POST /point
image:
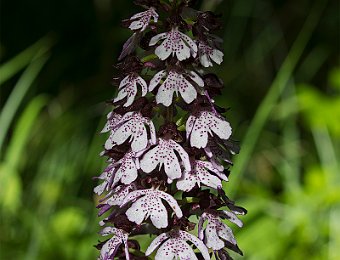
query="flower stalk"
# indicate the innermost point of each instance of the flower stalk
(169, 147)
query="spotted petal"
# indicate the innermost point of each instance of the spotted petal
(208, 54)
(201, 173)
(116, 196)
(132, 126)
(140, 21)
(127, 170)
(107, 176)
(109, 249)
(149, 204)
(216, 232)
(175, 82)
(175, 43)
(128, 88)
(112, 120)
(206, 123)
(176, 247)
(164, 154)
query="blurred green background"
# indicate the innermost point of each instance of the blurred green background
(282, 82)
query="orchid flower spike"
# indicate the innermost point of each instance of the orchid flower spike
(169, 149)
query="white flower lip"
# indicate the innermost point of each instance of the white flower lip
(176, 247)
(131, 126)
(141, 21)
(111, 246)
(198, 128)
(128, 88)
(201, 173)
(208, 54)
(215, 233)
(174, 83)
(164, 154)
(150, 205)
(175, 43)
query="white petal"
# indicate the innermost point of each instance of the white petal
(226, 233)
(189, 125)
(164, 96)
(183, 51)
(196, 78)
(232, 218)
(217, 56)
(150, 160)
(162, 51)
(184, 156)
(156, 79)
(125, 81)
(156, 242)
(187, 182)
(121, 94)
(198, 243)
(221, 128)
(110, 247)
(137, 212)
(140, 139)
(189, 94)
(108, 231)
(118, 137)
(134, 195)
(198, 136)
(212, 239)
(152, 132)
(127, 172)
(172, 202)
(171, 166)
(135, 25)
(166, 251)
(211, 181)
(200, 226)
(159, 216)
(205, 61)
(190, 42)
(142, 82)
(186, 252)
(156, 38)
(100, 188)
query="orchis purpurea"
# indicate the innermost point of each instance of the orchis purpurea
(169, 148)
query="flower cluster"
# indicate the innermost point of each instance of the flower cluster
(169, 148)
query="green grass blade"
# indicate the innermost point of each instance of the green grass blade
(17, 95)
(278, 85)
(13, 66)
(23, 129)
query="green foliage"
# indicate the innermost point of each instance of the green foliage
(287, 174)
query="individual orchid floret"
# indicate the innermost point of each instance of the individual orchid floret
(150, 205)
(175, 82)
(216, 232)
(208, 54)
(107, 176)
(201, 173)
(132, 125)
(206, 122)
(109, 249)
(140, 21)
(165, 154)
(128, 88)
(175, 43)
(116, 196)
(175, 246)
(127, 171)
